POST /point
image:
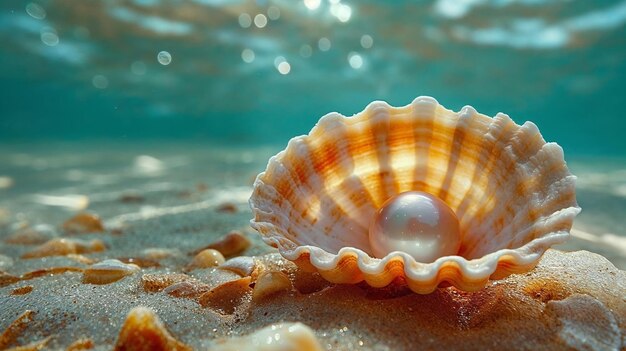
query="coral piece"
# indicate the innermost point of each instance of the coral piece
(143, 330)
(511, 191)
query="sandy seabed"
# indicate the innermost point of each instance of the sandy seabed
(157, 206)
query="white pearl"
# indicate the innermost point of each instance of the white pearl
(417, 223)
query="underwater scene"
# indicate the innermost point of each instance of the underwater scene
(134, 213)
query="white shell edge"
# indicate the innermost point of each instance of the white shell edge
(475, 269)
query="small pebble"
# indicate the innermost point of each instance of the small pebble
(108, 271)
(159, 253)
(143, 330)
(81, 344)
(50, 271)
(230, 244)
(158, 282)
(227, 207)
(5, 217)
(141, 262)
(62, 247)
(6, 182)
(281, 336)
(14, 330)
(83, 223)
(131, 198)
(81, 259)
(22, 290)
(205, 259)
(7, 279)
(26, 236)
(242, 265)
(269, 283)
(225, 298)
(189, 289)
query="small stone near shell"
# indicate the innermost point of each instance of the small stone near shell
(26, 236)
(214, 276)
(7, 279)
(81, 259)
(143, 330)
(33, 346)
(22, 290)
(284, 336)
(81, 344)
(269, 283)
(230, 244)
(6, 182)
(227, 207)
(242, 265)
(5, 262)
(10, 335)
(189, 289)
(158, 282)
(5, 217)
(62, 247)
(108, 271)
(205, 259)
(141, 262)
(546, 290)
(158, 253)
(417, 223)
(309, 282)
(586, 323)
(225, 298)
(45, 272)
(83, 223)
(131, 198)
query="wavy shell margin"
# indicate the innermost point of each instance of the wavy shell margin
(352, 265)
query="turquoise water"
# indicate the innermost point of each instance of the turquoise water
(93, 89)
(255, 72)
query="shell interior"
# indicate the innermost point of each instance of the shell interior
(511, 191)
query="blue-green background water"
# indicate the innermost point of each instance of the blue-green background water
(89, 70)
(104, 97)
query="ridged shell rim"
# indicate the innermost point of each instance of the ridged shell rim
(477, 270)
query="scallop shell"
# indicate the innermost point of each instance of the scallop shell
(511, 191)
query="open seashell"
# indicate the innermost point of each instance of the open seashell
(511, 192)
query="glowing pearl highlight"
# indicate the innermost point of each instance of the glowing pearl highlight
(417, 223)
